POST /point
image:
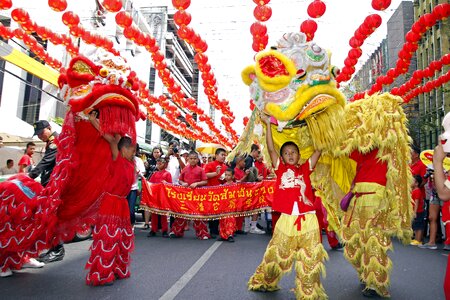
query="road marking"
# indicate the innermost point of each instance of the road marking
(184, 280)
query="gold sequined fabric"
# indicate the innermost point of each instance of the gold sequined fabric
(289, 245)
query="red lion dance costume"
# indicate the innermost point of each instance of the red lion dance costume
(86, 187)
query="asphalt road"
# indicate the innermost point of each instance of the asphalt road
(192, 269)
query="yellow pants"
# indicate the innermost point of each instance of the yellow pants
(366, 242)
(289, 244)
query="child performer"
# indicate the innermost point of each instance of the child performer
(113, 233)
(191, 176)
(160, 176)
(297, 234)
(417, 203)
(226, 232)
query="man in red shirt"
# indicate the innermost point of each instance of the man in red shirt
(26, 162)
(215, 173)
(191, 176)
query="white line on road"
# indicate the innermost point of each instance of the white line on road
(184, 280)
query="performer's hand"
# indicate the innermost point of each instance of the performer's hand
(193, 185)
(265, 118)
(218, 168)
(439, 154)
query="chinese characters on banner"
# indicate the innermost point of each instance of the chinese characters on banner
(207, 203)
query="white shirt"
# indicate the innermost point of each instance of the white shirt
(140, 169)
(174, 168)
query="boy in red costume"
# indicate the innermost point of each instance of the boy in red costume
(160, 176)
(191, 176)
(113, 232)
(297, 234)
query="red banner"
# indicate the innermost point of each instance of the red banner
(207, 203)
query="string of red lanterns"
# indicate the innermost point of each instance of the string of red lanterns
(258, 30)
(418, 29)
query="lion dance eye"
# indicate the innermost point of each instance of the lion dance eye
(301, 73)
(443, 141)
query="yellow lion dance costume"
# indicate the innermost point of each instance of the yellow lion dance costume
(365, 150)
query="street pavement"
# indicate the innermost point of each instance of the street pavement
(188, 268)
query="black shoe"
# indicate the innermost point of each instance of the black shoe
(370, 293)
(165, 235)
(338, 247)
(151, 234)
(55, 254)
(146, 227)
(230, 239)
(172, 235)
(259, 227)
(240, 232)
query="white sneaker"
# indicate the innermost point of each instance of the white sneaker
(7, 273)
(33, 264)
(257, 231)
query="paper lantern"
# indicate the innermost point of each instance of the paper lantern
(112, 5)
(5, 4)
(181, 17)
(380, 4)
(442, 11)
(181, 4)
(316, 9)
(308, 27)
(262, 13)
(57, 5)
(123, 19)
(373, 21)
(70, 19)
(355, 43)
(19, 15)
(258, 29)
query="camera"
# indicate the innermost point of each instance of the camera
(429, 173)
(175, 150)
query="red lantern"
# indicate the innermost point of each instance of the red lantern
(380, 4)
(355, 53)
(70, 19)
(19, 15)
(446, 59)
(57, 5)
(262, 13)
(418, 28)
(428, 20)
(185, 32)
(19, 33)
(245, 121)
(350, 62)
(181, 17)
(112, 5)
(5, 4)
(258, 29)
(373, 21)
(123, 19)
(355, 43)
(308, 27)
(316, 9)
(261, 2)
(412, 37)
(442, 11)
(181, 4)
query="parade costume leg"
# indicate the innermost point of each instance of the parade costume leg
(178, 227)
(201, 229)
(288, 244)
(227, 227)
(366, 243)
(239, 221)
(112, 242)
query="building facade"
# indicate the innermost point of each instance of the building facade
(432, 106)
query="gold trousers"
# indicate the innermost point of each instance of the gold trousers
(288, 244)
(366, 242)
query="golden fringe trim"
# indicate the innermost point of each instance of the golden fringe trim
(327, 128)
(202, 217)
(308, 254)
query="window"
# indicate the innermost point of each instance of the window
(148, 131)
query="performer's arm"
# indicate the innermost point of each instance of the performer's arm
(439, 177)
(112, 140)
(269, 140)
(314, 158)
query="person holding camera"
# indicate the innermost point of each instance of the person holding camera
(175, 164)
